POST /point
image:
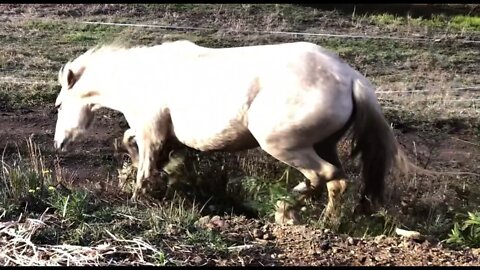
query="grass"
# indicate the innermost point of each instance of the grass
(91, 34)
(467, 234)
(437, 21)
(466, 22)
(82, 218)
(24, 177)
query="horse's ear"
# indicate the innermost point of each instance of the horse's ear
(72, 78)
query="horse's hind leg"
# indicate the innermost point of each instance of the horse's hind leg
(317, 170)
(336, 186)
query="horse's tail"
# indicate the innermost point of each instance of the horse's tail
(374, 140)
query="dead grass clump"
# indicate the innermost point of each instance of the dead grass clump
(17, 248)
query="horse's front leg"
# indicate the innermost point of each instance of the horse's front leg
(130, 144)
(148, 150)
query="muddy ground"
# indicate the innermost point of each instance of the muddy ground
(447, 144)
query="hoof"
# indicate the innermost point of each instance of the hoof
(301, 188)
(135, 197)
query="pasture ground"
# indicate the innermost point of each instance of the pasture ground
(68, 209)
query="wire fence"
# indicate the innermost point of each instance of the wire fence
(282, 32)
(473, 88)
(381, 97)
(15, 80)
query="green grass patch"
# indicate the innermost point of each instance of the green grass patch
(24, 178)
(42, 25)
(30, 189)
(467, 232)
(262, 195)
(467, 22)
(437, 21)
(29, 95)
(387, 19)
(207, 239)
(92, 34)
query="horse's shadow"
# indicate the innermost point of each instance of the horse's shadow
(199, 176)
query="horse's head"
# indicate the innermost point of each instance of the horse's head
(75, 113)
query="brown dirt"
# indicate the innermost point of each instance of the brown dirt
(270, 244)
(85, 160)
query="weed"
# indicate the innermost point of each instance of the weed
(467, 234)
(160, 258)
(466, 22)
(437, 21)
(71, 206)
(91, 34)
(212, 238)
(24, 177)
(387, 19)
(263, 194)
(44, 25)
(177, 212)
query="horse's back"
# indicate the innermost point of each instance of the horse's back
(232, 91)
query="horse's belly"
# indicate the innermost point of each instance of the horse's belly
(208, 134)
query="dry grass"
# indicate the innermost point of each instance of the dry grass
(431, 94)
(17, 248)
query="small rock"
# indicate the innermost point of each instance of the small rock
(393, 249)
(173, 229)
(197, 260)
(476, 252)
(215, 219)
(267, 236)
(350, 241)
(277, 231)
(203, 221)
(257, 233)
(407, 243)
(326, 231)
(325, 245)
(218, 222)
(379, 238)
(336, 249)
(426, 243)
(410, 234)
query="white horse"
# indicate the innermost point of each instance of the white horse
(294, 100)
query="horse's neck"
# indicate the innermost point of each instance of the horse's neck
(120, 102)
(114, 93)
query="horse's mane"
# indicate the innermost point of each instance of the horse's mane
(87, 56)
(84, 59)
(115, 47)
(107, 49)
